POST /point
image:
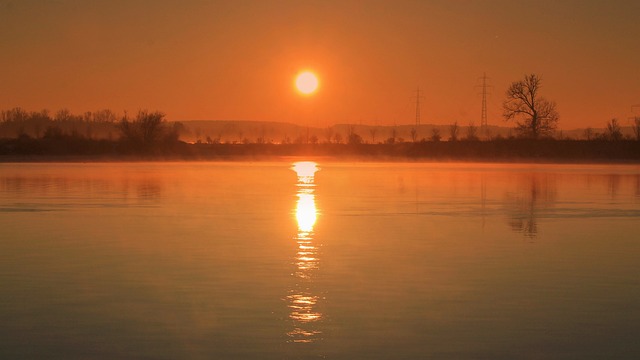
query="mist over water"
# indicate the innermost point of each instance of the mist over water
(274, 260)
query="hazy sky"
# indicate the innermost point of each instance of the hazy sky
(237, 59)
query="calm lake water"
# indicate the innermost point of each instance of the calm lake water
(351, 261)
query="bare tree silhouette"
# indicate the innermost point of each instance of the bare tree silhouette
(614, 132)
(352, 137)
(535, 116)
(414, 134)
(147, 129)
(328, 134)
(454, 129)
(472, 132)
(435, 135)
(373, 132)
(636, 127)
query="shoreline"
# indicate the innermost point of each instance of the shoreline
(8, 159)
(494, 151)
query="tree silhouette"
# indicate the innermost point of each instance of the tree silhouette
(147, 129)
(435, 135)
(636, 127)
(328, 134)
(588, 133)
(614, 133)
(453, 131)
(392, 138)
(535, 116)
(352, 137)
(373, 132)
(472, 132)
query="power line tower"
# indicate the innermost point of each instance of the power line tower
(483, 116)
(414, 130)
(483, 119)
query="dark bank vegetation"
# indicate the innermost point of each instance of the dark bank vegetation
(492, 150)
(167, 147)
(26, 136)
(91, 134)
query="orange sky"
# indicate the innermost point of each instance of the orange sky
(236, 60)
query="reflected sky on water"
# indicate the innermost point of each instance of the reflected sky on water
(358, 260)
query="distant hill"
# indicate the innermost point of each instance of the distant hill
(232, 131)
(279, 132)
(228, 131)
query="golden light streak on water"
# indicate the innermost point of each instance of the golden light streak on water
(302, 301)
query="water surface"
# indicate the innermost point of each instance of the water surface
(354, 260)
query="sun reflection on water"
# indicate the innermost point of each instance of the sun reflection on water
(306, 211)
(306, 171)
(302, 300)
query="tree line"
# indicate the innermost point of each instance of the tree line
(104, 131)
(18, 122)
(92, 132)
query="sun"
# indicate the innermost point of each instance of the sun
(307, 82)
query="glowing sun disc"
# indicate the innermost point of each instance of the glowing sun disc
(306, 82)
